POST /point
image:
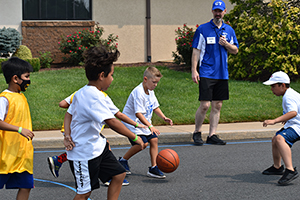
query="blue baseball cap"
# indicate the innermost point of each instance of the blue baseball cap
(218, 4)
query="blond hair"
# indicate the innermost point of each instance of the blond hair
(152, 72)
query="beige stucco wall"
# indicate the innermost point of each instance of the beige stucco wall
(127, 19)
(11, 14)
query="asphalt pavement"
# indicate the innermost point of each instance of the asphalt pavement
(171, 134)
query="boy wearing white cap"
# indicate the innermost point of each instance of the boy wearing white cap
(290, 133)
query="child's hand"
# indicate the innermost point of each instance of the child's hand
(142, 126)
(154, 131)
(268, 122)
(168, 120)
(69, 144)
(27, 133)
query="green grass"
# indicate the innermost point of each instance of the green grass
(176, 93)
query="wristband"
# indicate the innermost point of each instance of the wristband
(20, 130)
(135, 139)
(150, 126)
(137, 124)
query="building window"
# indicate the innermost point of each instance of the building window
(57, 9)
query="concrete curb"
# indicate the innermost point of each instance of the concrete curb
(174, 134)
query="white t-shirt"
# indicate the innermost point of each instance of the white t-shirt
(139, 102)
(291, 102)
(3, 106)
(89, 110)
(108, 100)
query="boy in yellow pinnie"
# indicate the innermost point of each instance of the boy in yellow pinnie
(16, 150)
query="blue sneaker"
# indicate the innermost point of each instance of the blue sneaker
(124, 163)
(155, 173)
(54, 165)
(125, 183)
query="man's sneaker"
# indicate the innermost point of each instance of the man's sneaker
(54, 165)
(155, 173)
(273, 171)
(214, 139)
(124, 163)
(125, 182)
(288, 176)
(197, 138)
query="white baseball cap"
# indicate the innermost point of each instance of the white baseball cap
(278, 77)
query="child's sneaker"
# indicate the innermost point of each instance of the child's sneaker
(124, 163)
(125, 183)
(54, 165)
(273, 171)
(288, 176)
(155, 173)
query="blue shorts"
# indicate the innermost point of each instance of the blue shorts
(145, 138)
(289, 135)
(16, 180)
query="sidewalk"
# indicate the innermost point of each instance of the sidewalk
(170, 134)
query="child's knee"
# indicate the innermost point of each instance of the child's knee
(119, 177)
(278, 139)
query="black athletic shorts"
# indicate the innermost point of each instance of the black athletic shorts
(213, 89)
(88, 172)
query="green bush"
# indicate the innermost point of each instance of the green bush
(10, 40)
(46, 59)
(269, 38)
(75, 44)
(23, 52)
(184, 40)
(35, 62)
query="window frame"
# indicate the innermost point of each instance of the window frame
(44, 19)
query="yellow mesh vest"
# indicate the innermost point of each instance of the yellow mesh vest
(63, 126)
(16, 152)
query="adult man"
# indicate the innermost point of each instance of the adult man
(211, 44)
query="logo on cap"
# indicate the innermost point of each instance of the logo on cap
(219, 5)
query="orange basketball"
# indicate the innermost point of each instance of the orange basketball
(167, 160)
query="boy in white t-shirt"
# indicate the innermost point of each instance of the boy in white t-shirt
(290, 133)
(88, 151)
(55, 162)
(139, 107)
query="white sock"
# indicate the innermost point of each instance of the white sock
(122, 159)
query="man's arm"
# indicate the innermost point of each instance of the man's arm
(195, 59)
(231, 48)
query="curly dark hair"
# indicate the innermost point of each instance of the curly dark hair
(98, 59)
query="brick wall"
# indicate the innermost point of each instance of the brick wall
(44, 36)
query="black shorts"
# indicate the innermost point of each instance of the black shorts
(213, 89)
(88, 172)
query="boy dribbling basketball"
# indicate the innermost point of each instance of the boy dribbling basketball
(88, 151)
